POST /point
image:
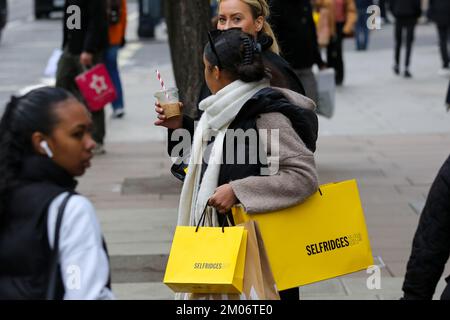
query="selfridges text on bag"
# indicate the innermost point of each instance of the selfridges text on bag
(96, 87)
(321, 238)
(326, 90)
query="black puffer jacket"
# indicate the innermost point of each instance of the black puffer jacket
(431, 245)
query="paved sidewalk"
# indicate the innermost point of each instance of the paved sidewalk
(389, 133)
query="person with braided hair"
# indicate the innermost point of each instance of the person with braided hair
(51, 246)
(265, 173)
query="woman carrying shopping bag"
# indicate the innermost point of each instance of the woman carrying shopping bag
(282, 122)
(51, 246)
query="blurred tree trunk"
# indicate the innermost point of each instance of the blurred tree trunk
(188, 22)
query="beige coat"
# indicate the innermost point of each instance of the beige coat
(296, 178)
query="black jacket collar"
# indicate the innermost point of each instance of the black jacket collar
(42, 169)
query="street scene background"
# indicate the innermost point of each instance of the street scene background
(389, 133)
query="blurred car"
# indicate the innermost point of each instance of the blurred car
(43, 8)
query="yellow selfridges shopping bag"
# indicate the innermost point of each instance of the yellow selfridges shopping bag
(207, 260)
(322, 238)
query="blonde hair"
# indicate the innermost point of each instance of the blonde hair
(261, 8)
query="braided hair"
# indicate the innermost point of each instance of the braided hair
(33, 112)
(237, 53)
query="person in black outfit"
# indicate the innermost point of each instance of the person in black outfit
(82, 48)
(439, 12)
(296, 33)
(431, 244)
(406, 13)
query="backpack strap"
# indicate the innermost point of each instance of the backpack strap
(54, 270)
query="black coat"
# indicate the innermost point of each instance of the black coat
(406, 8)
(439, 12)
(431, 245)
(296, 32)
(92, 37)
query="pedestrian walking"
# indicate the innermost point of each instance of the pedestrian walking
(406, 13)
(341, 23)
(439, 12)
(295, 30)
(361, 29)
(242, 100)
(431, 244)
(117, 19)
(45, 142)
(84, 46)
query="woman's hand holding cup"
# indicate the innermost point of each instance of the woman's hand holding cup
(170, 123)
(169, 109)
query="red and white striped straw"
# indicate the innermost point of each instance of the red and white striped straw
(161, 81)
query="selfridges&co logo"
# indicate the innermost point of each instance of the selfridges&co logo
(333, 244)
(210, 265)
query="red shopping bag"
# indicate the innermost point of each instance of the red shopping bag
(96, 87)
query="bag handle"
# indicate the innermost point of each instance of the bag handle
(202, 218)
(54, 260)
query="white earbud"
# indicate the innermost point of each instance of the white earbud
(44, 145)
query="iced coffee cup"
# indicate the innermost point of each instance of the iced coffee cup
(169, 102)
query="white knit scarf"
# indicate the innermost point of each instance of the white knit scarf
(219, 111)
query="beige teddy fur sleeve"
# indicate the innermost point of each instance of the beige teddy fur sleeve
(293, 176)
